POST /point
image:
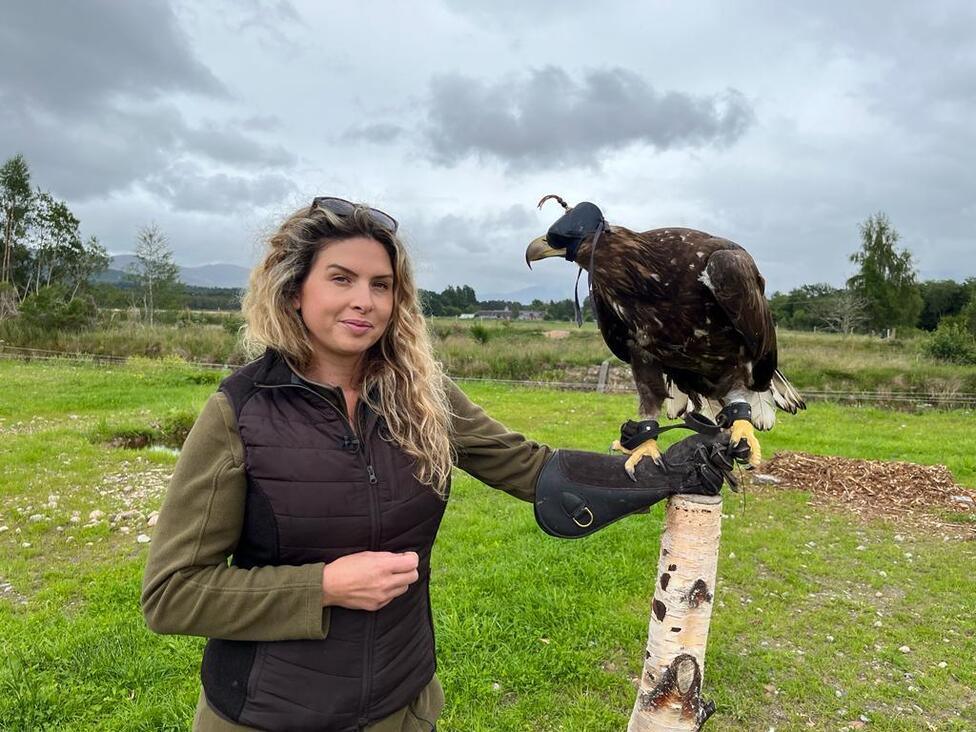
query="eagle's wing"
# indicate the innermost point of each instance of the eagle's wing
(738, 288)
(614, 330)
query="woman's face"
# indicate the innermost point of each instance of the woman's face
(347, 299)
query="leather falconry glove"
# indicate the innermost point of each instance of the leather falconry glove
(579, 493)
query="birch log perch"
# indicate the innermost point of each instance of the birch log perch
(669, 696)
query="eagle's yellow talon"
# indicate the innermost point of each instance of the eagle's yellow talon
(742, 430)
(645, 449)
(617, 447)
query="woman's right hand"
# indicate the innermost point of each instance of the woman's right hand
(368, 580)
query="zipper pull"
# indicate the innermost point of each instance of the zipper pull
(372, 475)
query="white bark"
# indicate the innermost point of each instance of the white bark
(669, 696)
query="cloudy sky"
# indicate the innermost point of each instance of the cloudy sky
(778, 125)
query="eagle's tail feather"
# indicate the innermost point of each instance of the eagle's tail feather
(709, 408)
(677, 402)
(763, 409)
(785, 394)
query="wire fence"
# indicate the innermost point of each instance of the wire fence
(41, 354)
(931, 399)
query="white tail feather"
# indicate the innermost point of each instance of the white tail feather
(678, 404)
(785, 395)
(763, 409)
(710, 408)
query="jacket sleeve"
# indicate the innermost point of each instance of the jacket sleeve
(492, 453)
(188, 586)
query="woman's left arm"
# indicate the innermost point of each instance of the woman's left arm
(492, 453)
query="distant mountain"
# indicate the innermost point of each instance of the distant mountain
(554, 292)
(203, 275)
(215, 275)
(232, 275)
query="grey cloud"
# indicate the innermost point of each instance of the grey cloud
(229, 145)
(914, 73)
(806, 225)
(112, 150)
(474, 233)
(484, 249)
(187, 188)
(549, 119)
(82, 90)
(264, 14)
(275, 25)
(926, 68)
(91, 156)
(379, 133)
(502, 13)
(261, 123)
(78, 56)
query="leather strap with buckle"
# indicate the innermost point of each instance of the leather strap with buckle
(633, 434)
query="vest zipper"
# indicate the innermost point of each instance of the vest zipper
(374, 510)
(374, 539)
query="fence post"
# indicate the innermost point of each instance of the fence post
(603, 377)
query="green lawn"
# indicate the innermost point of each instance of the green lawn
(534, 633)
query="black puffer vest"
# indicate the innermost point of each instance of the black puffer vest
(318, 490)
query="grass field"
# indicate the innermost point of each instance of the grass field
(533, 633)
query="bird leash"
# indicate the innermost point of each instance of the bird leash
(578, 311)
(635, 433)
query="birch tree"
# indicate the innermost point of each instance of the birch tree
(15, 203)
(155, 272)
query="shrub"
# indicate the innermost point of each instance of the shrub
(952, 342)
(175, 426)
(232, 324)
(481, 333)
(185, 319)
(170, 430)
(443, 331)
(968, 316)
(50, 309)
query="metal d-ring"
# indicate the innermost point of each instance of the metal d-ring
(583, 526)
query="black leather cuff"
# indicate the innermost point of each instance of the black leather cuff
(634, 434)
(731, 412)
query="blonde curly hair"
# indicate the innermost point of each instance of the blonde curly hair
(400, 378)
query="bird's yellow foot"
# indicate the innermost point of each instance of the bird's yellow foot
(742, 430)
(645, 449)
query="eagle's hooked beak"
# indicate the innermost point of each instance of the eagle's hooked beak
(540, 249)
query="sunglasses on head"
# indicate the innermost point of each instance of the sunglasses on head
(342, 207)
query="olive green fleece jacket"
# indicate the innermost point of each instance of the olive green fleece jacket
(188, 586)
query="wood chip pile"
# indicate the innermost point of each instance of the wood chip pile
(924, 493)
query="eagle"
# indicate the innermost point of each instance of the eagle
(687, 311)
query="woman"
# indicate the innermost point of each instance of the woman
(320, 471)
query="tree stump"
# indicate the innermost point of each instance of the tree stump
(669, 697)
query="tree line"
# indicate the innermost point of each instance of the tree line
(884, 295)
(48, 271)
(453, 301)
